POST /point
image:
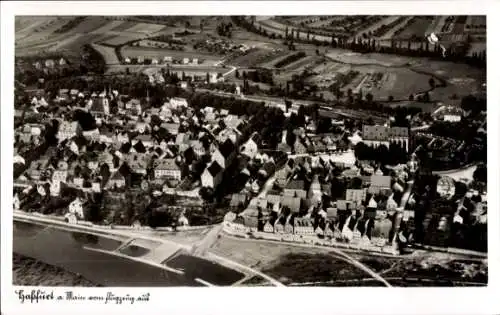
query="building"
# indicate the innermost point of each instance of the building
(117, 180)
(68, 130)
(76, 208)
(315, 194)
(377, 135)
(380, 184)
(303, 226)
(295, 188)
(224, 154)
(251, 147)
(212, 175)
(355, 196)
(168, 169)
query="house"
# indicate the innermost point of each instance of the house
(229, 133)
(238, 201)
(303, 226)
(289, 227)
(146, 140)
(315, 194)
(381, 230)
(292, 203)
(138, 162)
(267, 169)
(355, 196)
(116, 180)
(282, 175)
(295, 188)
(76, 208)
(269, 226)
(172, 128)
(251, 147)
(16, 202)
(68, 130)
(177, 102)
(212, 175)
(279, 225)
(198, 147)
(224, 154)
(60, 176)
(92, 135)
(380, 184)
(167, 168)
(229, 217)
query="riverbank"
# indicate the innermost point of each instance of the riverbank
(29, 271)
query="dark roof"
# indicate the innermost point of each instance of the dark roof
(296, 184)
(226, 148)
(214, 168)
(125, 148)
(139, 147)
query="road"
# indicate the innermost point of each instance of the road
(457, 174)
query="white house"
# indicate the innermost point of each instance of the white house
(212, 175)
(251, 147)
(68, 130)
(16, 202)
(167, 168)
(76, 207)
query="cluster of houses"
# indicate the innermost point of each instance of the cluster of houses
(165, 60)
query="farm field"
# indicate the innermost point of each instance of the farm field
(375, 26)
(107, 53)
(390, 33)
(416, 29)
(158, 53)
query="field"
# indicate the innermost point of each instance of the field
(417, 29)
(158, 53)
(28, 271)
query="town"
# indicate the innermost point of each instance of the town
(173, 141)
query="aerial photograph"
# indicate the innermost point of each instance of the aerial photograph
(250, 151)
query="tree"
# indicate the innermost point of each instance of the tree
(411, 98)
(237, 74)
(481, 173)
(369, 97)
(432, 83)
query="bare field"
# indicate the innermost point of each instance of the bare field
(254, 253)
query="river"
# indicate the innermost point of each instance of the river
(76, 253)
